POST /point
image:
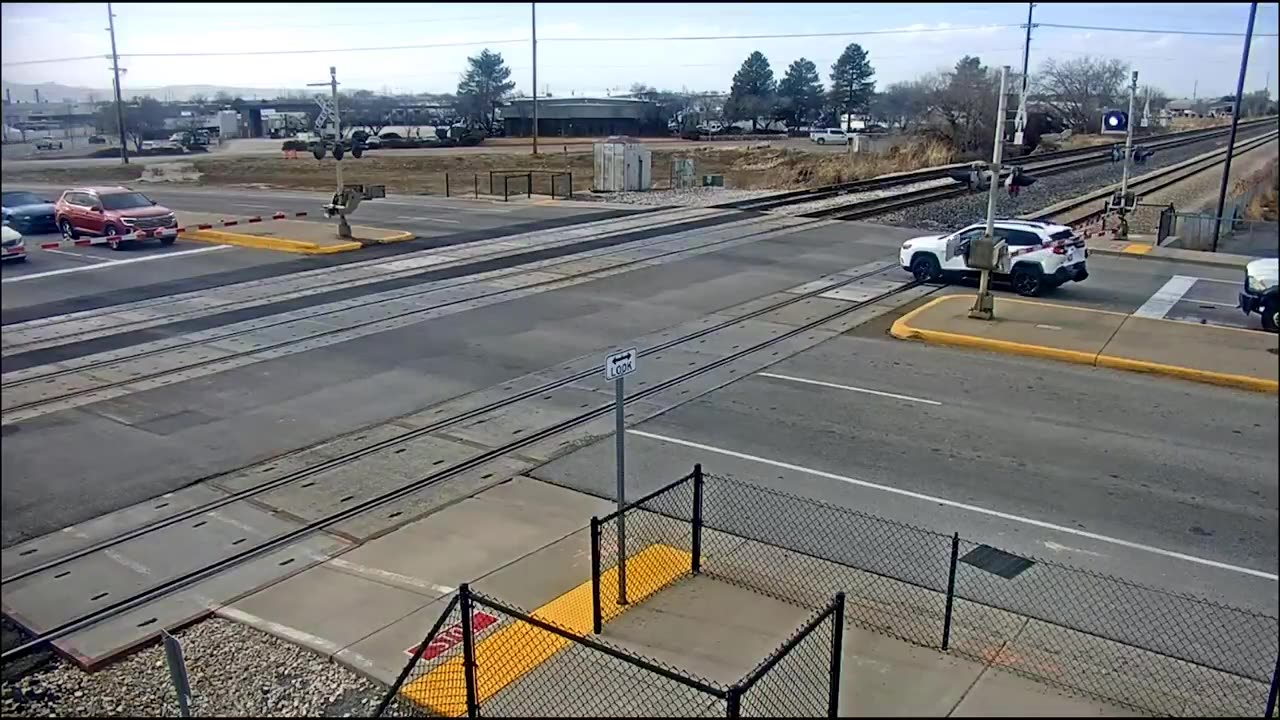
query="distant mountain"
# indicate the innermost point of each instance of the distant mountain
(54, 92)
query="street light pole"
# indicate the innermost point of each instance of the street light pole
(1235, 121)
(115, 68)
(984, 303)
(533, 15)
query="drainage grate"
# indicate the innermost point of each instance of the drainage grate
(996, 562)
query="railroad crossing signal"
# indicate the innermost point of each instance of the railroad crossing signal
(1115, 122)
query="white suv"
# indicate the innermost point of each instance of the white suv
(829, 135)
(1042, 255)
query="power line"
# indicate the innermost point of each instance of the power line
(1148, 31)
(770, 36)
(56, 60)
(242, 53)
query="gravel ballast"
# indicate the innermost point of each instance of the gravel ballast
(955, 213)
(685, 197)
(234, 670)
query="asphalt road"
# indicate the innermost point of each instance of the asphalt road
(1170, 466)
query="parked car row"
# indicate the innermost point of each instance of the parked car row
(92, 211)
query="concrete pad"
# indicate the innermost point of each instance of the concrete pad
(1002, 694)
(387, 649)
(881, 676)
(1200, 353)
(336, 607)
(1208, 348)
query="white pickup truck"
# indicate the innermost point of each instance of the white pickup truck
(834, 136)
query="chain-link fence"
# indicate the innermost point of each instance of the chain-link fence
(483, 657)
(1141, 647)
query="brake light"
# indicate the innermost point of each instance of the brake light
(1059, 250)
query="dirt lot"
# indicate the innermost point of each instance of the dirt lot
(744, 168)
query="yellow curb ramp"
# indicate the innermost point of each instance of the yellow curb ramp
(903, 329)
(518, 648)
(262, 242)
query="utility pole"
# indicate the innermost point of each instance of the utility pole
(1020, 124)
(533, 14)
(984, 304)
(1235, 121)
(115, 68)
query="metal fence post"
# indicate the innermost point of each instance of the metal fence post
(569, 195)
(506, 188)
(837, 653)
(476, 179)
(597, 621)
(697, 519)
(1275, 688)
(468, 650)
(951, 591)
(733, 702)
(446, 184)
(528, 185)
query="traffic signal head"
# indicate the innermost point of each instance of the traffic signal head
(1115, 121)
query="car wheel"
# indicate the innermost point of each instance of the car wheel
(1271, 314)
(68, 231)
(925, 267)
(822, 141)
(1027, 281)
(168, 240)
(108, 231)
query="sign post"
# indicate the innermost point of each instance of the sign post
(617, 366)
(177, 672)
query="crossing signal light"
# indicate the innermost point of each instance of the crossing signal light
(1115, 121)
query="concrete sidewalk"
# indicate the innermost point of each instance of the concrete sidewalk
(1144, 246)
(295, 236)
(1200, 353)
(522, 542)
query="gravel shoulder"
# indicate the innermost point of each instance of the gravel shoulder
(234, 670)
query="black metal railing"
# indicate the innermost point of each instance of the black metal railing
(483, 656)
(1141, 647)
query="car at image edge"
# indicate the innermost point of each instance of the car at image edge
(12, 246)
(1261, 293)
(28, 213)
(1042, 255)
(48, 143)
(107, 211)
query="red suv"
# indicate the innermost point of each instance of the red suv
(111, 211)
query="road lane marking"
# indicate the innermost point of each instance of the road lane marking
(962, 506)
(77, 255)
(1166, 297)
(299, 637)
(850, 388)
(1063, 548)
(388, 577)
(113, 263)
(429, 219)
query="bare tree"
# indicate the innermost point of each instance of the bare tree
(1079, 90)
(903, 104)
(962, 104)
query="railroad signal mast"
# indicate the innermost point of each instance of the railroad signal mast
(346, 198)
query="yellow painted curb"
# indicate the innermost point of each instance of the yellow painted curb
(903, 330)
(268, 243)
(1243, 382)
(398, 237)
(1136, 249)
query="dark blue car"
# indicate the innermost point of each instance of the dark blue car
(28, 213)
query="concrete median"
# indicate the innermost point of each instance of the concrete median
(295, 236)
(1210, 354)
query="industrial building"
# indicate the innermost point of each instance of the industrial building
(582, 117)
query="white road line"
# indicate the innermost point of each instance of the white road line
(429, 219)
(113, 263)
(1224, 282)
(78, 255)
(1166, 297)
(850, 388)
(962, 506)
(388, 577)
(1198, 301)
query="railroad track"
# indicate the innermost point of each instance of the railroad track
(1075, 211)
(889, 203)
(197, 574)
(88, 379)
(1032, 163)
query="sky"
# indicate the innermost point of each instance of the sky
(599, 48)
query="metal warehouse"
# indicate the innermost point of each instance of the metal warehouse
(578, 116)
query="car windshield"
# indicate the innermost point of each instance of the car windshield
(125, 201)
(14, 199)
